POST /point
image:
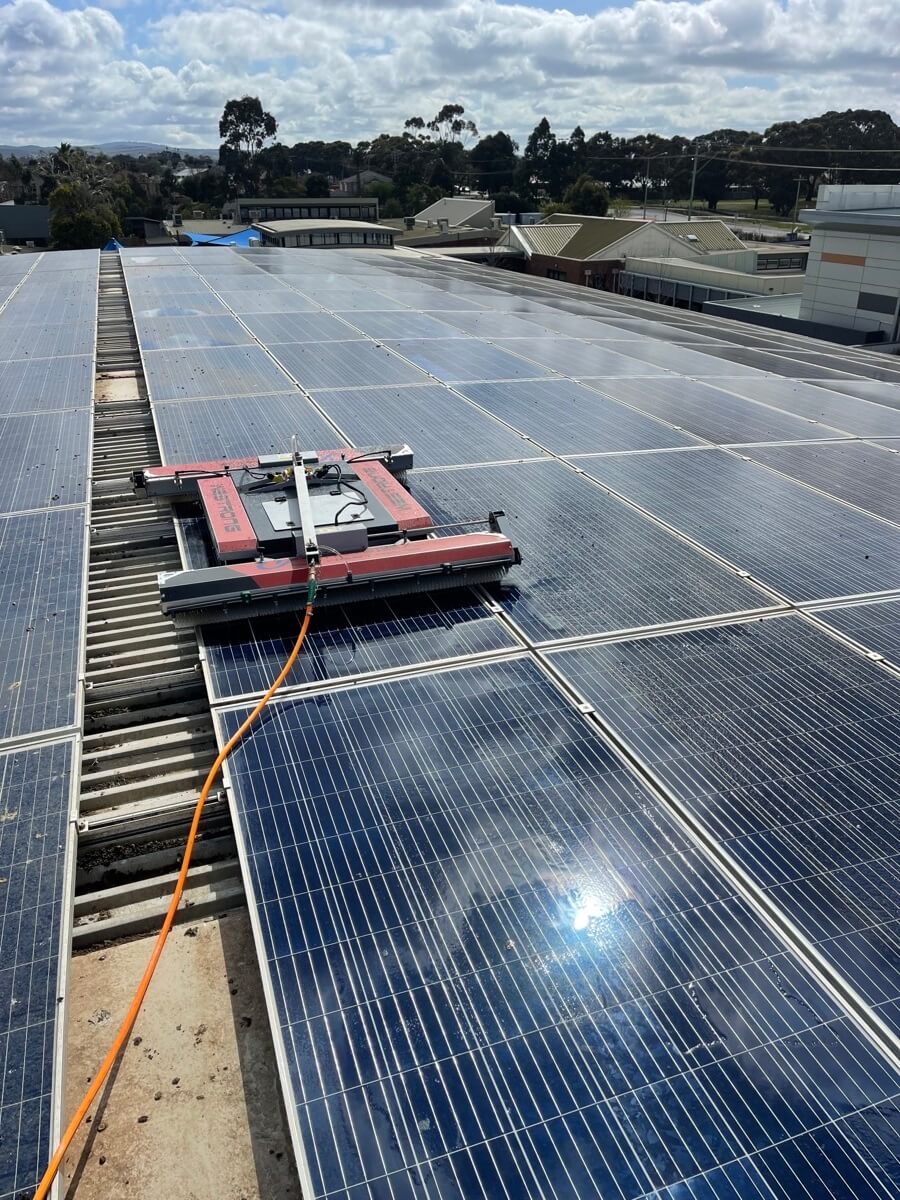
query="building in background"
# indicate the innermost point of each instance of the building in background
(853, 277)
(355, 184)
(248, 210)
(452, 212)
(324, 233)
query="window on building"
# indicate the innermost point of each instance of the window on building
(552, 273)
(874, 302)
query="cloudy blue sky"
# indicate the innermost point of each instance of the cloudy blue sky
(161, 70)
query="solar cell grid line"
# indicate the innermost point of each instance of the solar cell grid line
(874, 626)
(240, 426)
(709, 411)
(859, 473)
(789, 758)
(400, 912)
(571, 418)
(590, 564)
(864, 418)
(441, 428)
(803, 544)
(37, 340)
(46, 459)
(37, 865)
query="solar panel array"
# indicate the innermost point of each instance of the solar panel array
(48, 320)
(515, 857)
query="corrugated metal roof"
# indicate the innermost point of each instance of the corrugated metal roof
(544, 239)
(594, 233)
(458, 210)
(703, 235)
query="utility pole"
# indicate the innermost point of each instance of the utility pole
(646, 184)
(693, 182)
(797, 198)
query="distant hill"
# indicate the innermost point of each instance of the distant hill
(136, 149)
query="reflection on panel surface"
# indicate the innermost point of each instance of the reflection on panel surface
(785, 744)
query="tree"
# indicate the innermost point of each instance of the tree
(494, 160)
(78, 221)
(244, 129)
(317, 185)
(587, 196)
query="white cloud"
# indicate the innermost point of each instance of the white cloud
(353, 68)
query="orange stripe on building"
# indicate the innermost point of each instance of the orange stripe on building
(849, 260)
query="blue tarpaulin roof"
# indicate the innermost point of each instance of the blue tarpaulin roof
(241, 238)
(112, 244)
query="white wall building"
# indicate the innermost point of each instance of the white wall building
(853, 273)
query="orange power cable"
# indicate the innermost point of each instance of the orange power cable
(135, 1007)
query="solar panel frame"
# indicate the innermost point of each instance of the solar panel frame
(240, 426)
(573, 418)
(358, 969)
(321, 365)
(173, 375)
(186, 333)
(803, 544)
(860, 473)
(590, 563)
(818, 402)
(874, 625)
(455, 360)
(577, 359)
(42, 630)
(25, 384)
(46, 459)
(31, 1024)
(411, 415)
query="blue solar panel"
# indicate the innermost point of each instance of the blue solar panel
(570, 418)
(442, 429)
(244, 658)
(45, 459)
(804, 545)
(861, 473)
(41, 594)
(712, 413)
(590, 563)
(46, 384)
(499, 968)
(239, 426)
(784, 743)
(36, 846)
(875, 626)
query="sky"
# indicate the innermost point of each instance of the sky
(161, 70)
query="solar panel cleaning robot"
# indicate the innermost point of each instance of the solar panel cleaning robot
(344, 516)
